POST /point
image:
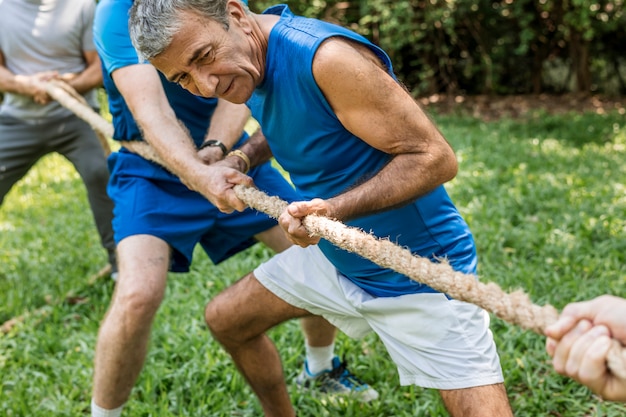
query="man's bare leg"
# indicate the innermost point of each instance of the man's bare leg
(125, 331)
(484, 401)
(318, 331)
(238, 317)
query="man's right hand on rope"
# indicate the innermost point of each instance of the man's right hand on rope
(216, 181)
(580, 339)
(214, 177)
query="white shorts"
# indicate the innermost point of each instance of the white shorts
(435, 342)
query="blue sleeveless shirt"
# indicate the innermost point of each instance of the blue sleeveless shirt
(324, 159)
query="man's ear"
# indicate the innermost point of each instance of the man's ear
(238, 15)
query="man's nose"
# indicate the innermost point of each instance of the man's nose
(206, 85)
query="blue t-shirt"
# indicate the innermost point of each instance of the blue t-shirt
(116, 51)
(324, 159)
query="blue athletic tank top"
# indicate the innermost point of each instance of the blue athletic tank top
(324, 159)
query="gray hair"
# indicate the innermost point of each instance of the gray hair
(153, 23)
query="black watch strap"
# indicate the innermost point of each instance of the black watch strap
(213, 142)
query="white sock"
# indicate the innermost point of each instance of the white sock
(319, 358)
(101, 412)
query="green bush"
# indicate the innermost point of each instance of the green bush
(486, 47)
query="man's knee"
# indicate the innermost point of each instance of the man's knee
(138, 305)
(219, 320)
(238, 313)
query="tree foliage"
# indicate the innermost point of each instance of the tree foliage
(490, 47)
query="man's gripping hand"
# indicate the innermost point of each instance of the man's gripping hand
(291, 220)
(216, 182)
(580, 340)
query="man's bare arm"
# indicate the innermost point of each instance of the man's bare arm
(257, 149)
(89, 78)
(227, 125)
(142, 90)
(378, 110)
(27, 85)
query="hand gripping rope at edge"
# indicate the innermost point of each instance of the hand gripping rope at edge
(515, 308)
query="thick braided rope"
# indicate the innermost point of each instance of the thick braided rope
(70, 99)
(515, 308)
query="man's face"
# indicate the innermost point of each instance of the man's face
(209, 61)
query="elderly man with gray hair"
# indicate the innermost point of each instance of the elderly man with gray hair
(359, 149)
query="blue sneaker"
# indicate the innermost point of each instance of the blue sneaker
(337, 381)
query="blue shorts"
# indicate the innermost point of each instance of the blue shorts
(150, 200)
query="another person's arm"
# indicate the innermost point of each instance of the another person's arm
(27, 85)
(142, 90)
(227, 125)
(89, 78)
(580, 339)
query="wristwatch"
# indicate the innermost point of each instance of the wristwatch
(214, 142)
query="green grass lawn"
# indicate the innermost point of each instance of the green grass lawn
(544, 196)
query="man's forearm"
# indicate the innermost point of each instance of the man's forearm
(227, 123)
(172, 142)
(10, 83)
(257, 149)
(404, 179)
(89, 78)
(141, 87)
